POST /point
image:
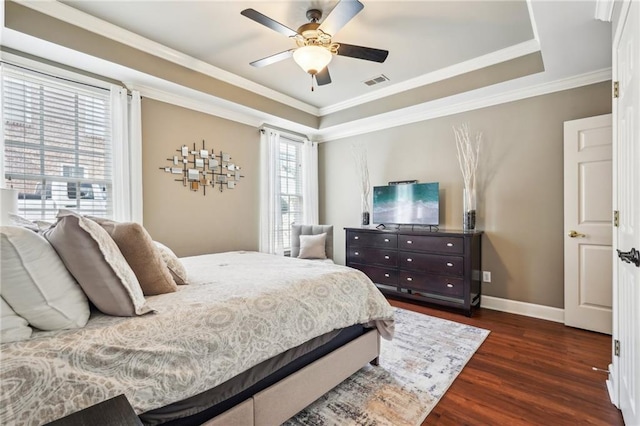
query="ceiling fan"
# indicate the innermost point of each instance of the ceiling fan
(314, 39)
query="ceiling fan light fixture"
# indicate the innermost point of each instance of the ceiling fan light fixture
(312, 59)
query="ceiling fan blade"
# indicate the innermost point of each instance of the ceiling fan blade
(268, 22)
(359, 52)
(344, 11)
(273, 58)
(323, 77)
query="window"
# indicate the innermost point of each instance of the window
(57, 145)
(291, 199)
(288, 188)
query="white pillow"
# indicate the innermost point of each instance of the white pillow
(312, 246)
(12, 326)
(37, 285)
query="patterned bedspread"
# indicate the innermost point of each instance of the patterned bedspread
(240, 309)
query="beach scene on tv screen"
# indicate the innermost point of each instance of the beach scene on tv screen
(406, 204)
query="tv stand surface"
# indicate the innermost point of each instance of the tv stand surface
(431, 266)
(430, 228)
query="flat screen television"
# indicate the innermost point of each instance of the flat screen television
(407, 204)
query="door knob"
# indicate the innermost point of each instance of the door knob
(574, 234)
(631, 256)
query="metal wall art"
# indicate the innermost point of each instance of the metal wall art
(201, 168)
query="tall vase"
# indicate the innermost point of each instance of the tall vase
(469, 209)
(365, 210)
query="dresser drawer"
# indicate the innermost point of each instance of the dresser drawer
(436, 284)
(453, 245)
(433, 263)
(378, 274)
(371, 255)
(375, 239)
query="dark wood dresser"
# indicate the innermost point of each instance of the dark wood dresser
(438, 267)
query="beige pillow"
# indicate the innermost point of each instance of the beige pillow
(36, 284)
(142, 255)
(312, 246)
(13, 327)
(178, 272)
(96, 262)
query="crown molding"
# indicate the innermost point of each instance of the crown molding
(173, 93)
(194, 100)
(483, 61)
(456, 104)
(198, 101)
(191, 99)
(98, 26)
(604, 10)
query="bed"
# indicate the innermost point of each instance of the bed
(252, 340)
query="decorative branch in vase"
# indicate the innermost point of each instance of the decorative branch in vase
(362, 169)
(468, 155)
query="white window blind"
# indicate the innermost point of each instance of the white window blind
(291, 198)
(57, 144)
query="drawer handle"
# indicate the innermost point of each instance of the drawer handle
(386, 257)
(449, 244)
(386, 275)
(357, 253)
(409, 260)
(386, 240)
(449, 285)
(356, 238)
(449, 264)
(409, 242)
(409, 279)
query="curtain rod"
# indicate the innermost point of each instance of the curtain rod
(285, 132)
(58, 77)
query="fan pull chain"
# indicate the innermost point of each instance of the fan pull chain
(312, 89)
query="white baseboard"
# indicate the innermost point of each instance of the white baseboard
(522, 308)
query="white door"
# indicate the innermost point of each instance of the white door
(626, 364)
(588, 292)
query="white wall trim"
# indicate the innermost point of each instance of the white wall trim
(191, 99)
(604, 10)
(448, 106)
(208, 104)
(98, 26)
(169, 92)
(522, 308)
(483, 61)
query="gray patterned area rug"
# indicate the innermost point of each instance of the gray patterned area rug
(416, 369)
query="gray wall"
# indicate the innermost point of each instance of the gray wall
(521, 191)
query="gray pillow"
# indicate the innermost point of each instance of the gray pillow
(94, 259)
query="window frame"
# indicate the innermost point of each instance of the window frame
(90, 148)
(290, 153)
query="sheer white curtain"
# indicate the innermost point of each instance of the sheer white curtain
(269, 191)
(126, 134)
(310, 182)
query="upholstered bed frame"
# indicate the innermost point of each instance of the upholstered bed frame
(281, 401)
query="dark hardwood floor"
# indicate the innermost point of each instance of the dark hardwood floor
(527, 372)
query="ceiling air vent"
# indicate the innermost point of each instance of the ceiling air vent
(376, 80)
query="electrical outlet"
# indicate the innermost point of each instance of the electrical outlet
(486, 276)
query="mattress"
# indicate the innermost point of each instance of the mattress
(202, 407)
